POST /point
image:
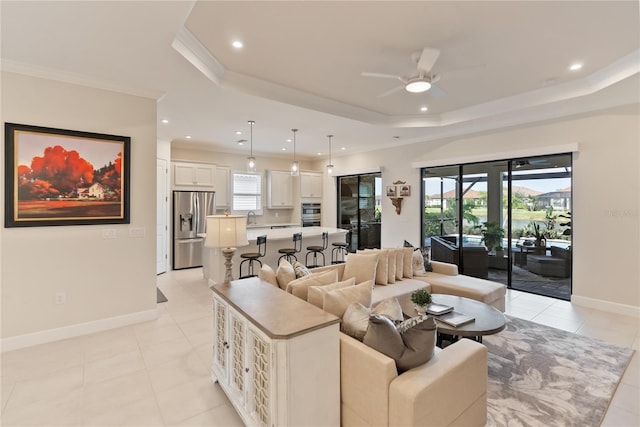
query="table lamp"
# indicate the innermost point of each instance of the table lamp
(226, 232)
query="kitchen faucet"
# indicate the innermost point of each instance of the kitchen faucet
(251, 217)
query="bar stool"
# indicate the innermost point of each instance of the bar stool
(315, 250)
(290, 253)
(250, 257)
(340, 249)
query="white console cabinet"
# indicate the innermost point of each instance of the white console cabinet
(275, 372)
(193, 176)
(310, 184)
(279, 189)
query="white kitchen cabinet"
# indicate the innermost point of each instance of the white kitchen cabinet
(310, 184)
(275, 372)
(279, 190)
(221, 186)
(193, 176)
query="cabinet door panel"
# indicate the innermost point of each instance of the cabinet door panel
(220, 340)
(280, 194)
(237, 333)
(260, 378)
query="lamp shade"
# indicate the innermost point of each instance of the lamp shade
(226, 231)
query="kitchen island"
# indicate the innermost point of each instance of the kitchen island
(277, 238)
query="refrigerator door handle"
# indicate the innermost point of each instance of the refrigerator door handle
(196, 207)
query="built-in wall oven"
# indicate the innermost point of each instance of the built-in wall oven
(311, 214)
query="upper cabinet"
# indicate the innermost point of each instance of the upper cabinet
(279, 189)
(195, 176)
(222, 186)
(310, 184)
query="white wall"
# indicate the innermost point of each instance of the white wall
(107, 282)
(606, 195)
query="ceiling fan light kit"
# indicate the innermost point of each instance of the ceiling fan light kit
(418, 85)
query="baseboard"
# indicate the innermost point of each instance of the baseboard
(612, 307)
(50, 335)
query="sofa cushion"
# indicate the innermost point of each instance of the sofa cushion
(402, 290)
(267, 274)
(299, 287)
(316, 293)
(410, 348)
(355, 320)
(285, 273)
(399, 262)
(337, 301)
(361, 266)
(466, 286)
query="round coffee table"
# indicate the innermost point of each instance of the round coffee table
(488, 319)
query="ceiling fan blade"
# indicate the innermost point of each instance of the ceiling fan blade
(389, 92)
(436, 92)
(381, 75)
(428, 59)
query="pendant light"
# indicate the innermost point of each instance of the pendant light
(330, 165)
(295, 167)
(251, 161)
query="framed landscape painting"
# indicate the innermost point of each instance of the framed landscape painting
(65, 177)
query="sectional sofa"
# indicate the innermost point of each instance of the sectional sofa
(450, 389)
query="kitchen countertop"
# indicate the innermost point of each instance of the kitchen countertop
(250, 226)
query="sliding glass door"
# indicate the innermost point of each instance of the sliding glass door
(359, 209)
(508, 221)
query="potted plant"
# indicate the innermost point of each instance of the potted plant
(499, 251)
(492, 235)
(421, 298)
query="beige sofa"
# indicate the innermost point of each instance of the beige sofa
(444, 279)
(448, 390)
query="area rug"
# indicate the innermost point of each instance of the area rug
(542, 376)
(160, 296)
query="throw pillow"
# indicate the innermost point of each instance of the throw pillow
(391, 267)
(355, 320)
(361, 266)
(407, 270)
(425, 257)
(316, 294)
(267, 274)
(382, 269)
(410, 348)
(337, 301)
(399, 257)
(417, 263)
(299, 287)
(300, 269)
(285, 273)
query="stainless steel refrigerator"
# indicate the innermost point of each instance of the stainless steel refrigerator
(190, 210)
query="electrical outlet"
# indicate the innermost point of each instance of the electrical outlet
(109, 233)
(61, 298)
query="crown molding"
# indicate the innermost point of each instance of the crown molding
(75, 78)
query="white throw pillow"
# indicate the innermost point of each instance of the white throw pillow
(361, 266)
(417, 263)
(299, 287)
(267, 274)
(337, 301)
(285, 273)
(316, 294)
(356, 318)
(382, 269)
(407, 270)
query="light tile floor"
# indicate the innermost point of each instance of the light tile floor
(157, 373)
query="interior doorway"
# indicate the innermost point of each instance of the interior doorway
(162, 210)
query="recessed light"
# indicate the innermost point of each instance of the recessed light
(237, 44)
(238, 132)
(188, 136)
(423, 108)
(165, 121)
(343, 148)
(576, 66)
(289, 140)
(284, 149)
(319, 154)
(241, 141)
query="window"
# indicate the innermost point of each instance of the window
(247, 192)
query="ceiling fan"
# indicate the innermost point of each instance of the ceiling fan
(420, 82)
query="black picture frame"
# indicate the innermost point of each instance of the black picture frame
(65, 177)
